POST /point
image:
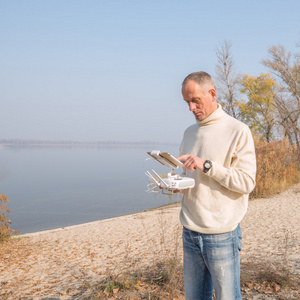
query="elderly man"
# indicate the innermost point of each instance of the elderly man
(218, 152)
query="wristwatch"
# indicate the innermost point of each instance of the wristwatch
(207, 165)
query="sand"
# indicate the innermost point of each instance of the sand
(61, 263)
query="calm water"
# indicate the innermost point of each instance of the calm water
(56, 187)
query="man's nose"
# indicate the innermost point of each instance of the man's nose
(192, 106)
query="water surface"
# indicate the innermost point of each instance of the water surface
(52, 187)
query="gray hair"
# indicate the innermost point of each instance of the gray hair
(201, 78)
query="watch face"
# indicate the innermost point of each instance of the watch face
(207, 165)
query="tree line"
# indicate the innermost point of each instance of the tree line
(269, 103)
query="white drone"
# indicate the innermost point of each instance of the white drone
(172, 182)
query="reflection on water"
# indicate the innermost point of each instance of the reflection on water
(52, 187)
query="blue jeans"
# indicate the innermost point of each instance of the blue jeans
(212, 261)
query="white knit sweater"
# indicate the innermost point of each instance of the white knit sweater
(219, 200)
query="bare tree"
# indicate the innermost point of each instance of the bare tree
(227, 80)
(287, 98)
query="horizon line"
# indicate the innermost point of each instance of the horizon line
(18, 141)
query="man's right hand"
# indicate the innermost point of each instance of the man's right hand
(192, 162)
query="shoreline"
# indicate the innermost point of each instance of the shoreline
(166, 206)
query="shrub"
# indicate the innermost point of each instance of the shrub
(278, 167)
(5, 230)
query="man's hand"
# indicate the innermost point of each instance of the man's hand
(191, 162)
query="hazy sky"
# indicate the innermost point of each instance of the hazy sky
(112, 69)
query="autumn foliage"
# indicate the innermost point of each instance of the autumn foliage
(278, 167)
(5, 230)
(258, 111)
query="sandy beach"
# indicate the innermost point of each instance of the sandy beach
(60, 263)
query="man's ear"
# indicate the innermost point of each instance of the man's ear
(213, 94)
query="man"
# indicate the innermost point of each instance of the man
(218, 152)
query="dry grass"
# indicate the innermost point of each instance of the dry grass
(164, 280)
(272, 275)
(5, 231)
(278, 168)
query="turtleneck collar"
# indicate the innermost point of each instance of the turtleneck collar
(213, 118)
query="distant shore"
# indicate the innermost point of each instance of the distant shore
(41, 142)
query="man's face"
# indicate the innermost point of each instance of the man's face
(201, 102)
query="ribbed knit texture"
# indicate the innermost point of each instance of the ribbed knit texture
(219, 200)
